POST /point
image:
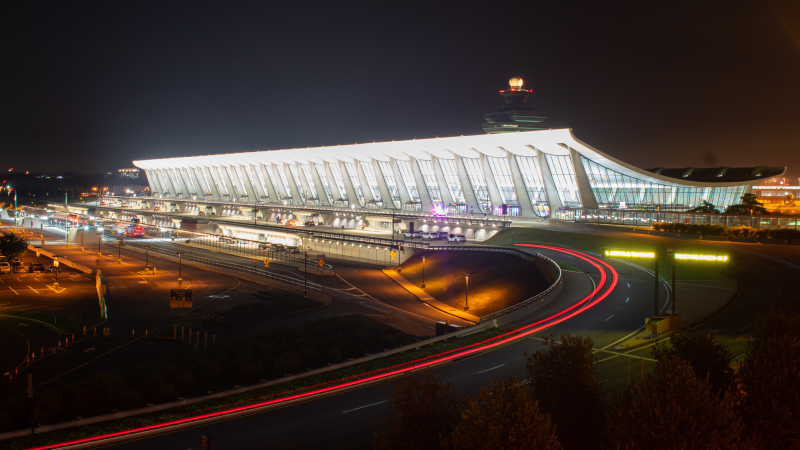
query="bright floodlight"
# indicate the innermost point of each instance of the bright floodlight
(515, 83)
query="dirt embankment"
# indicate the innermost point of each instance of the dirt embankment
(496, 280)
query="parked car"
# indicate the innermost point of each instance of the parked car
(408, 234)
(263, 246)
(36, 268)
(416, 234)
(5, 267)
(433, 235)
(310, 223)
(54, 269)
(20, 269)
(456, 238)
(201, 213)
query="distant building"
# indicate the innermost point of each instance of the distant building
(125, 191)
(779, 197)
(129, 173)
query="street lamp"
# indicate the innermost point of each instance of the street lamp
(55, 269)
(466, 292)
(119, 251)
(38, 252)
(99, 238)
(423, 271)
(146, 254)
(180, 265)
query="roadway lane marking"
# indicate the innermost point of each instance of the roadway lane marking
(34, 290)
(609, 317)
(495, 367)
(362, 407)
(626, 300)
(12, 290)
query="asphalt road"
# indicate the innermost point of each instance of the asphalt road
(346, 419)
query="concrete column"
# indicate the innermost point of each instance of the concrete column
(155, 186)
(388, 202)
(523, 197)
(335, 186)
(401, 185)
(252, 193)
(365, 187)
(469, 191)
(215, 192)
(296, 199)
(424, 196)
(233, 190)
(494, 192)
(274, 196)
(447, 197)
(315, 178)
(348, 185)
(549, 184)
(584, 188)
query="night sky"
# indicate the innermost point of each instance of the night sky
(91, 86)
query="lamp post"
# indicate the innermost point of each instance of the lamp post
(466, 292)
(146, 254)
(99, 238)
(55, 265)
(38, 251)
(423, 271)
(66, 224)
(82, 229)
(180, 265)
(119, 250)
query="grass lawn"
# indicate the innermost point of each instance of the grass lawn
(496, 280)
(265, 303)
(65, 323)
(686, 270)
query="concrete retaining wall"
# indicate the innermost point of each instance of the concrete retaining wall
(61, 260)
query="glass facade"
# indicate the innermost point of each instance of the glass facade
(564, 177)
(451, 178)
(478, 182)
(297, 183)
(501, 172)
(408, 179)
(337, 177)
(188, 180)
(310, 181)
(284, 180)
(388, 177)
(372, 180)
(426, 169)
(532, 178)
(323, 179)
(260, 178)
(351, 172)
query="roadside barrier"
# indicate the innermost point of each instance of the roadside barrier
(545, 265)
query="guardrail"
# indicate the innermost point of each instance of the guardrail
(260, 271)
(553, 274)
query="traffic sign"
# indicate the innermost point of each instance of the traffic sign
(393, 254)
(321, 262)
(180, 298)
(266, 262)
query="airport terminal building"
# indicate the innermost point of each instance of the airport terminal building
(519, 168)
(530, 173)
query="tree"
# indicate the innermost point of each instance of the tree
(503, 416)
(423, 413)
(770, 380)
(749, 204)
(709, 358)
(705, 207)
(12, 246)
(563, 381)
(673, 409)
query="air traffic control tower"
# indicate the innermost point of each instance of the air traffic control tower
(516, 114)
